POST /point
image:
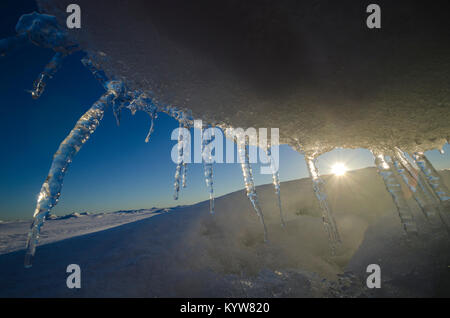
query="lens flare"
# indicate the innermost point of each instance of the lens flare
(339, 169)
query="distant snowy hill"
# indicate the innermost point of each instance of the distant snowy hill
(186, 252)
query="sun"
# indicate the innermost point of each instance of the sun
(338, 169)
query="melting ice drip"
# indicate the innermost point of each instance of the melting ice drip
(208, 135)
(181, 169)
(393, 185)
(432, 176)
(243, 149)
(275, 181)
(319, 191)
(423, 182)
(141, 102)
(49, 71)
(51, 189)
(42, 30)
(418, 187)
(184, 177)
(178, 171)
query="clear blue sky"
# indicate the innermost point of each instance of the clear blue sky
(115, 169)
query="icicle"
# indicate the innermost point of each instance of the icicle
(417, 174)
(208, 170)
(393, 186)
(153, 115)
(184, 174)
(51, 189)
(248, 180)
(209, 184)
(144, 103)
(275, 181)
(432, 176)
(179, 165)
(177, 181)
(412, 181)
(150, 131)
(49, 71)
(319, 190)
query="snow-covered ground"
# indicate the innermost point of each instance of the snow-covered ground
(186, 252)
(13, 235)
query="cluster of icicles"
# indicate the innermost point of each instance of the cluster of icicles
(42, 30)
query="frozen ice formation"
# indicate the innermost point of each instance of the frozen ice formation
(393, 185)
(50, 69)
(433, 177)
(208, 136)
(178, 171)
(310, 68)
(275, 181)
(319, 191)
(417, 186)
(51, 189)
(243, 153)
(42, 30)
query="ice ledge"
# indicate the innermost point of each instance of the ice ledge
(311, 69)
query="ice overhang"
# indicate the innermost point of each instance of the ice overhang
(310, 68)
